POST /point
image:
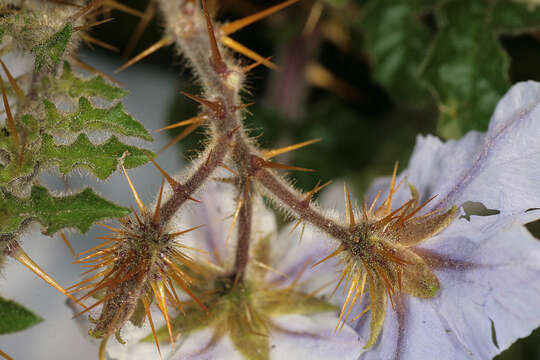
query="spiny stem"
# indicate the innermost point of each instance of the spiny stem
(187, 25)
(245, 218)
(213, 160)
(302, 209)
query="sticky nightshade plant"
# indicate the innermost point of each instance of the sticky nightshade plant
(277, 312)
(463, 286)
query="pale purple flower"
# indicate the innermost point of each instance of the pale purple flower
(487, 264)
(302, 335)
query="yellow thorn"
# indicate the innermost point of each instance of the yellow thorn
(155, 219)
(91, 25)
(24, 259)
(318, 75)
(12, 82)
(361, 313)
(215, 106)
(66, 241)
(234, 26)
(102, 347)
(298, 222)
(159, 294)
(165, 41)
(352, 286)
(217, 61)
(229, 170)
(235, 218)
(167, 177)
(236, 46)
(316, 189)
(348, 207)
(124, 8)
(149, 315)
(388, 202)
(173, 235)
(313, 18)
(10, 121)
(182, 135)
(339, 249)
(92, 40)
(135, 194)
(248, 68)
(141, 27)
(87, 8)
(374, 202)
(5, 356)
(195, 119)
(272, 153)
(274, 165)
(81, 64)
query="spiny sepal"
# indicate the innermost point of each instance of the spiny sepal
(77, 211)
(379, 257)
(139, 263)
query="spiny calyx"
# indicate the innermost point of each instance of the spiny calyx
(138, 263)
(379, 255)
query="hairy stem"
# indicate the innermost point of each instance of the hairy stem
(245, 216)
(299, 206)
(183, 192)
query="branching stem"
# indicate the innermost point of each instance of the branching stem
(188, 26)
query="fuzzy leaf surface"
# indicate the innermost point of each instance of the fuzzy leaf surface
(51, 50)
(15, 317)
(87, 117)
(397, 41)
(101, 160)
(77, 211)
(77, 86)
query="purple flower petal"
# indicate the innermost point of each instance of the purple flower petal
(499, 288)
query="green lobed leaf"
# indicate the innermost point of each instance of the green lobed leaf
(78, 211)
(396, 41)
(101, 160)
(467, 67)
(52, 49)
(76, 86)
(87, 117)
(15, 317)
(515, 16)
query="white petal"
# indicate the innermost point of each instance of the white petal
(313, 338)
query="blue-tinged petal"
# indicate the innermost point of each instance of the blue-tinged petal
(201, 346)
(313, 338)
(499, 169)
(490, 286)
(293, 256)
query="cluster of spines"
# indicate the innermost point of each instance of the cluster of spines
(217, 107)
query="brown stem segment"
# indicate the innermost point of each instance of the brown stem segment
(184, 192)
(245, 217)
(298, 205)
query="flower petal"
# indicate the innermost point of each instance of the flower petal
(199, 346)
(293, 257)
(499, 169)
(313, 338)
(499, 293)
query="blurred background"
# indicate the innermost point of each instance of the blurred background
(364, 76)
